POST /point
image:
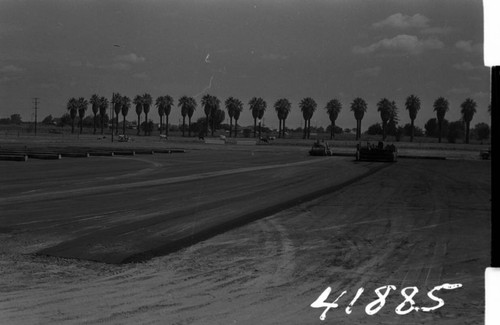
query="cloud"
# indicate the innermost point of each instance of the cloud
(7, 29)
(49, 85)
(459, 91)
(437, 30)
(368, 72)
(79, 64)
(11, 69)
(273, 57)
(403, 21)
(10, 73)
(482, 95)
(402, 43)
(130, 58)
(142, 75)
(120, 66)
(468, 46)
(464, 66)
(417, 21)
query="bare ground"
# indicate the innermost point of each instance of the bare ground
(415, 223)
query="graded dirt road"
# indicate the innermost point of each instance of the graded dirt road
(172, 201)
(414, 223)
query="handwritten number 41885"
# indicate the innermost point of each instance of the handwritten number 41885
(405, 307)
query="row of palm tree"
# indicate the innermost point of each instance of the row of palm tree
(257, 105)
(77, 107)
(468, 109)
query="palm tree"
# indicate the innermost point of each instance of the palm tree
(229, 103)
(95, 100)
(258, 107)
(385, 108)
(72, 107)
(413, 106)
(184, 105)
(206, 102)
(191, 109)
(164, 104)
(167, 103)
(117, 99)
(284, 116)
(82, 107)
(188, 106)
(103, 107)
(210, 105)
(307, 106)
(217, 118)
(215, 109)
(333, 108)
(125, 107)
(234, 106)
(468, 111)
(282, 108)
(138, 110)
(161, 110)
(236, 116)
(147, 100)
(255, 113)
(359, 107)
(440, 107)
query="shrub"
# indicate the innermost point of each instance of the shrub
(482, 131)
(432, 130)
(374, 129)
(455, 131)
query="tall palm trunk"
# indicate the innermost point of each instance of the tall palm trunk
(146, 131)
(206, 128)
(189, 126)
(332, 132)
(440, 125)
(124, 125)
(235, 128)
(95, 123)
(384, 130)
(102, 124)
(260, 129)
(284, 128)
(305, 129)
(117, 118)
(166, 125)
(467, 132)
(138, 124)
(230, 126)
(412, 130)
(279, 128)
(309, 129)
(254, 127)
(183, 124)
(81, 125)
(72, 125)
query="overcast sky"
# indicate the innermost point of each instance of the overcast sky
(272, 49)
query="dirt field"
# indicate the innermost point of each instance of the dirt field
(416, 223)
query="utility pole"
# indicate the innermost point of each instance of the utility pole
(112, 117)
(35, 101)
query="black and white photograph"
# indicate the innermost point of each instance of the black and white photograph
(245, 161)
